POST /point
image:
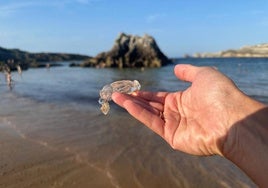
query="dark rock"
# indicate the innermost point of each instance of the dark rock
(44, 65)
(130, 51)
(14, 57)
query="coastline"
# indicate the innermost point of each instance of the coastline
(26, 162)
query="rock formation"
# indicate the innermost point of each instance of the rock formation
(13, 57)
(130, 51)
(260, 50)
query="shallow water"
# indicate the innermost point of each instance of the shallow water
(81, 86)
(58, 110)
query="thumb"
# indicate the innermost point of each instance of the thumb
(186, 72)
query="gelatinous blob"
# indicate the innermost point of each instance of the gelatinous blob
(125, 86)
(105, 107)
(106, 93)
(122, 86)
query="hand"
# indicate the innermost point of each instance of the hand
(211, 117)
(196, 120)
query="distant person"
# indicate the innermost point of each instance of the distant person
(19, 70)
(8, 79)
(210, 117)
(48, 66)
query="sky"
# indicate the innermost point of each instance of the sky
(91, 26)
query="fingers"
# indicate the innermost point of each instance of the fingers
(152, 96)
(152, 106)
(141, 111)
(186, 72)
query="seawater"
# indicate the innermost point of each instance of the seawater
(58, 108)
(81, 86)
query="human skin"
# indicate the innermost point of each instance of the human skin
(210, 117)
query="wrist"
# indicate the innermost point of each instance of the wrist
(246, 143)
(243, 119)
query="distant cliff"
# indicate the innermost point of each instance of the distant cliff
(26, 59)
(260, 50)
(130, 51)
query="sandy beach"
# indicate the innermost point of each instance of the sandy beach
(31, 161)
(45, 145)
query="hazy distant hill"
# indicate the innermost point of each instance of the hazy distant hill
(26, 58)
(259, 50)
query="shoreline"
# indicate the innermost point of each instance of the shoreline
(71, 152)
(26, 162)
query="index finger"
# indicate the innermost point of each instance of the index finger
(145, 115)
(152, 96)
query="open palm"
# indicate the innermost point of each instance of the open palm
(195, 120)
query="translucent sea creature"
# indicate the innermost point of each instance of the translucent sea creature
(122, 86)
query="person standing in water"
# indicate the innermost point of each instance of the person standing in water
(19, 70)
(8, 76)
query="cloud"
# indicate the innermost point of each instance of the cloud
(86, 2)
(8, 9)
(15, 6)
(263, 22)
(83, 1)
(155, 17)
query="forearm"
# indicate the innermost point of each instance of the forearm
(247, 141)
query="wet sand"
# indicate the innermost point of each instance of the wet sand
(46, 145)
